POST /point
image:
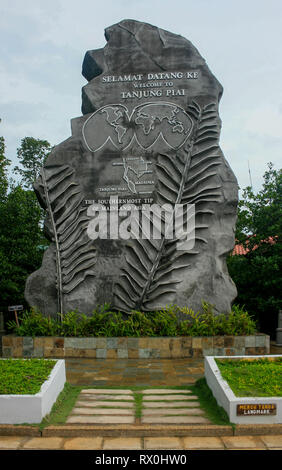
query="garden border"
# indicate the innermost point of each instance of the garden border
(19, 409)
(229, 401)
(135, 348)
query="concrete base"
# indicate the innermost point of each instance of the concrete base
(226, 398)
(19, 409)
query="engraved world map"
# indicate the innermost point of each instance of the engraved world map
(148, 123)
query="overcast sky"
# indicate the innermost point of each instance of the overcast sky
(43, 43)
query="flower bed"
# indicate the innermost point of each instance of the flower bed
(135, 348)
(31, 408)
(243, 409)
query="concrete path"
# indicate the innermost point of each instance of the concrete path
(149, 406)
(268, 442)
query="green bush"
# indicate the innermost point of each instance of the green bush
(237, 322)
(166, 322)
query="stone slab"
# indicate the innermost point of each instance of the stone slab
(203, 443)
(83, 443)
(102, 411)
(272, 441)
(162, 443)
(176, 404)
(242, 442)
(108, 397)
(154, 391)
(94, 403)
(167, 397)
(174, 420)
(107, 391)
(10, 442)
(172, 411)
(122, 443)
(79, 419)
(48, 443)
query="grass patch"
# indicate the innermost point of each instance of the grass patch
(138, 397)
(24, 376)
(216, 414)
(256, 378)
(63, 406)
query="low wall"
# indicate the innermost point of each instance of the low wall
(229, 401)
(135, 348)
(19, 409)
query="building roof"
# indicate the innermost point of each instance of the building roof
(240, 249)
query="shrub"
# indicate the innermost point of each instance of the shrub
(104, 322)
(33, 323)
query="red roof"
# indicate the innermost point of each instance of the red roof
(241, 250)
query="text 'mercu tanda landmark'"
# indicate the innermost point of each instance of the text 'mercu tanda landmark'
(144, 156)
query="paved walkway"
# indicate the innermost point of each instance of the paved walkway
(146, 374)
(149, 406)
(137, 372)
(137, 443)
(134, 372)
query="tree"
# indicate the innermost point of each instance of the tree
(21, 236)
(258, 274)
(20, 241)
(4, 164)
(260, 215)
(32, 154)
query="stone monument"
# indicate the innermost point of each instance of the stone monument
(148, 138)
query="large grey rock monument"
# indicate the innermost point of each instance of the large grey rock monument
(148, 137)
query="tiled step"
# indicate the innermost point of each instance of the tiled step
(154, 404)
(159, 406)
(159, 391)
(108, 391)
(168, 397)
(100, 419)
(173, 411)
(99, 403)
(107, 397)
(102, 411)
(174, 420)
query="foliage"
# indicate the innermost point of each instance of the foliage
(62, 407)
(24, 376)
(20, 241)
(21, 236)
(215, 413)
(31, 154)
(237, 322)
(4, 164)
(258, 274)
(260, 214)
(104, 322)
(255, 378)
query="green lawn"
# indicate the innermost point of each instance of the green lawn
(23, 376)
(253, 378)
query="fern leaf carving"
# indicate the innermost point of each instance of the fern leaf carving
(75, 253)
(154, 267)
